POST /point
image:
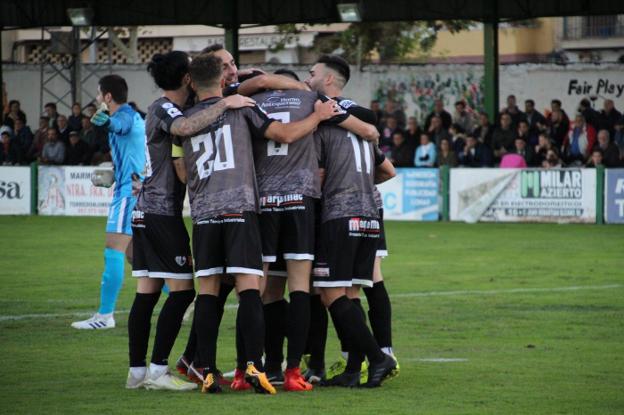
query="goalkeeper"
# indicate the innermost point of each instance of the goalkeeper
(126, 137)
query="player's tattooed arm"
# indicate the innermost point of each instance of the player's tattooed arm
(384, 172)
(186, 126)
(269, 81)
(358, 127)
(291, 132)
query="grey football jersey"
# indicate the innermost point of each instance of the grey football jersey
(349, 164)
(219, 162)
(283, 169)
(377, 196)
(162, 193)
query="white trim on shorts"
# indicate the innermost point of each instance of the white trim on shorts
(332, 284)
(209, 272)
(121, 217)
(243, 270)
(362, 282)
(277, 273)
(299, 257)
(142, 273)
(381, 253)
(269, 258)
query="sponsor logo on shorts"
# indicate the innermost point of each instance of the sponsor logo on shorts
(280, 203)
(138, 219)
(369, 228)
(219, 220)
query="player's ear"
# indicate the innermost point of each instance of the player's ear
(186, 80)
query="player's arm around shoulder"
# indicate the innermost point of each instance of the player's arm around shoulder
(291, 132)
(360, 128)
(186, 126)
(177, 158)
(269, 81)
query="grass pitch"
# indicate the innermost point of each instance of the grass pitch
(488, 319)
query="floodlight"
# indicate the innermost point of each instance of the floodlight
(80, 17)
(349, 12)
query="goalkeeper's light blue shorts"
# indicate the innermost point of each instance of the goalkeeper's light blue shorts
(120, 215)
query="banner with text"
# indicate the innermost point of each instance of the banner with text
(411, 195)
(527, 195)
(68, 191)
(614, 195)
(14, 190)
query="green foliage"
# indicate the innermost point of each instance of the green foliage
(452, 288)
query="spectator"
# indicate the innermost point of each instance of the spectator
(463, 118)
(90, 109)
(555, 106)
(137, 109)
(446, 156)
(503, 136)
(413, 132)
(437, 132)
(524, 132)
(376, 108)
(523, 149)
(589, 113)
(74, 121)
(23, 139)
(77, 152)
(14, 113)
(458, 138)
(533, 117)
(9, 154)
(385, 142)
(544, 144)
(54, 150)
(579, 142)
(63, 129)
(513, 111)
(618, 137)
(552, 160)
(87, 132)
(97, 139)
(596, 159)
(609, 116)
(425, 153)
(439, 111)
(609, 150)
(476, 154)
(393, 110)
(51, 113)
(557, 129)
(402, 151)
(484, 130)
(41, 136)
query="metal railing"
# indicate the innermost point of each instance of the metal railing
(595, 27)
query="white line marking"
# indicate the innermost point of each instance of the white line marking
(401, 295)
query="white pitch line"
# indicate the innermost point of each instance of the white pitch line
(400, 295)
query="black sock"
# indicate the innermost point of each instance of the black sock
(380, 313)
(169, 322)
(252, 326)
(139, 324)
(207, 330)
(275, 317)
(298, 327)
(344, 346)
(356, 357)
(224, 292)
(349, 318)
(241, 359)
(317, 334)
(191, 343)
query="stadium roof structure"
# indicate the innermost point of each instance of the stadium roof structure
(233, 13)
(37, 13)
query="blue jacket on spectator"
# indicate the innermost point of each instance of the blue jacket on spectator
(425, 155)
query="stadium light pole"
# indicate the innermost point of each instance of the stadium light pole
(490, 63)
(79, 17)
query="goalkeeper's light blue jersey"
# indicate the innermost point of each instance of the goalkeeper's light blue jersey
(126, 137)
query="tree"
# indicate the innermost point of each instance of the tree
(390, 41)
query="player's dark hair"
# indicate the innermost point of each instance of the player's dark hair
(116, 86)
(206, 70)
(338, 64)
(287, 72)
(168, 69)
(213, 48)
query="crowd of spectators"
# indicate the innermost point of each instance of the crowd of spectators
(58, 139)
(467, 138)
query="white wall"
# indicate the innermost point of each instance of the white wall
(416, 86)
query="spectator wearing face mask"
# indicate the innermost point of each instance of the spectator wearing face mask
(426, 153)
